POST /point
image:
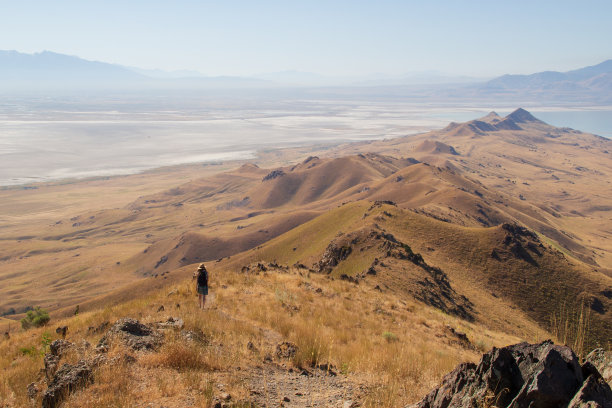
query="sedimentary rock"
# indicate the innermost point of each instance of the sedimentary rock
(66, 380)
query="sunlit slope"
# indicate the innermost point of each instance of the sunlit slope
(483, 274)
(563, 176)
(317, 180)
(494, 171)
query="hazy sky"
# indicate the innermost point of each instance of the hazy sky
(231, 37)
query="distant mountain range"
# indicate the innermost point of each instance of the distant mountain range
(47, 70)
(584, 77)
(590, 83)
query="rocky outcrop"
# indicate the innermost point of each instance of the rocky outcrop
(67, 380)
(594, 393)
(51, 359)
(133, 334)
(59, 347)
(602, 360)
(273, 174)
(432, 287)
(51, 363)
(333, 255)
(523, 375)
(519, 243)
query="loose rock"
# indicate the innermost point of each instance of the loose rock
(286, 350)
(62, 330)
(171, 323)
(195, 336)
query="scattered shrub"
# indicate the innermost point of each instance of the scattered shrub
(390, 337)
(35, 318)
(28, 351)
(45, 341)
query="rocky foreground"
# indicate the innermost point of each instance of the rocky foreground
(526, 375)
(541, 375)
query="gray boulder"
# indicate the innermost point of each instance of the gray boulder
(59, 347)
(594, 393)
(133, 334)
(523, 375)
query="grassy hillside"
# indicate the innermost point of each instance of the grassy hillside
(531, 173)
(554, 180)
(385, 349)
(387, 334)
(371, 263)
(496, 269)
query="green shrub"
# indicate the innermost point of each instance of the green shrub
(35, 318)
(45, 341)
(28, 351)
(390, 337)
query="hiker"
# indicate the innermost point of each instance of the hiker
(202, 284)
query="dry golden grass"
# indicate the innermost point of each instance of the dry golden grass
(99, 244)
(395, 347)
(344, 326)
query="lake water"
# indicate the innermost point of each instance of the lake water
(597, 122)
(49, 145)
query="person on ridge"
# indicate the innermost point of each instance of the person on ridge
(202, 284)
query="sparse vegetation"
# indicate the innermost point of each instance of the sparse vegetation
(341, 333)
(376, 317)
(571, 325)
(35, 318)
(390, 337)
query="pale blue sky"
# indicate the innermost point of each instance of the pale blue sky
(232, 37)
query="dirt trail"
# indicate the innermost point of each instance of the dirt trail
(276, 383)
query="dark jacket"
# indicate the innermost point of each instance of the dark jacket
(203, 277)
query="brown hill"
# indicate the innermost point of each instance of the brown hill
(543, 176)
(435, 147)
(191, 247)
(492, 118)
(472, 128)
(459, 270)
(316, 180)
(539, 176)
(387, 257)
(520, 115)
